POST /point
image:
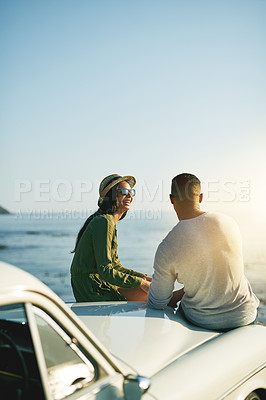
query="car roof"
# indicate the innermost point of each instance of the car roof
(13, 278)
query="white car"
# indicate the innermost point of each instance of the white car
(118, 350)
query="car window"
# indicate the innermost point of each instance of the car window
(13, 312)
(68, 368)
(19, 372)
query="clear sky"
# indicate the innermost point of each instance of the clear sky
(151, 88)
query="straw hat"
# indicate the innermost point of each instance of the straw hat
(112, 180)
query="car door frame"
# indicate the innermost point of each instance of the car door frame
(73, 327)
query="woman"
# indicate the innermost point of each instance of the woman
(96, 273)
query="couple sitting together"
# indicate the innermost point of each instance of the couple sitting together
(203, 252)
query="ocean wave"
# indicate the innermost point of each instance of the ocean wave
(34, 232)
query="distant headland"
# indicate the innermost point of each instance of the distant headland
(4, 211)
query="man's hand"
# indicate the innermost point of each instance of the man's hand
(177, 296)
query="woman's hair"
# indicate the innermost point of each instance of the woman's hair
(107, 206)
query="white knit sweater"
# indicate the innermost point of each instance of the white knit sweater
(205, 255)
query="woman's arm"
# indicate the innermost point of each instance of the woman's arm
(103, 231)
(117, 265)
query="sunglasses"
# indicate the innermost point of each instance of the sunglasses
(125, 191)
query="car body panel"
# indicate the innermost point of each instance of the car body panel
(162, 345)
(215, 368)
(148, 339)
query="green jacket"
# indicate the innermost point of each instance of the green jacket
(96, 270)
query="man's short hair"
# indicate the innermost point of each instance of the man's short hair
(185, 186)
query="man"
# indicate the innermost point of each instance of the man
(204, 253)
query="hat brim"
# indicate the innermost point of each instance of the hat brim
(128, 178)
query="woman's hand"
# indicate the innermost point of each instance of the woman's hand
(147, 278)
(145, 284)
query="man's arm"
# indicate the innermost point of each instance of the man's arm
(163, 280)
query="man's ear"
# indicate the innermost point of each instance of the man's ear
(200, 198)
(171, 198)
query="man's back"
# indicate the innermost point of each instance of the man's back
(205, 255)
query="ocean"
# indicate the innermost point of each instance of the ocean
(42, 243)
